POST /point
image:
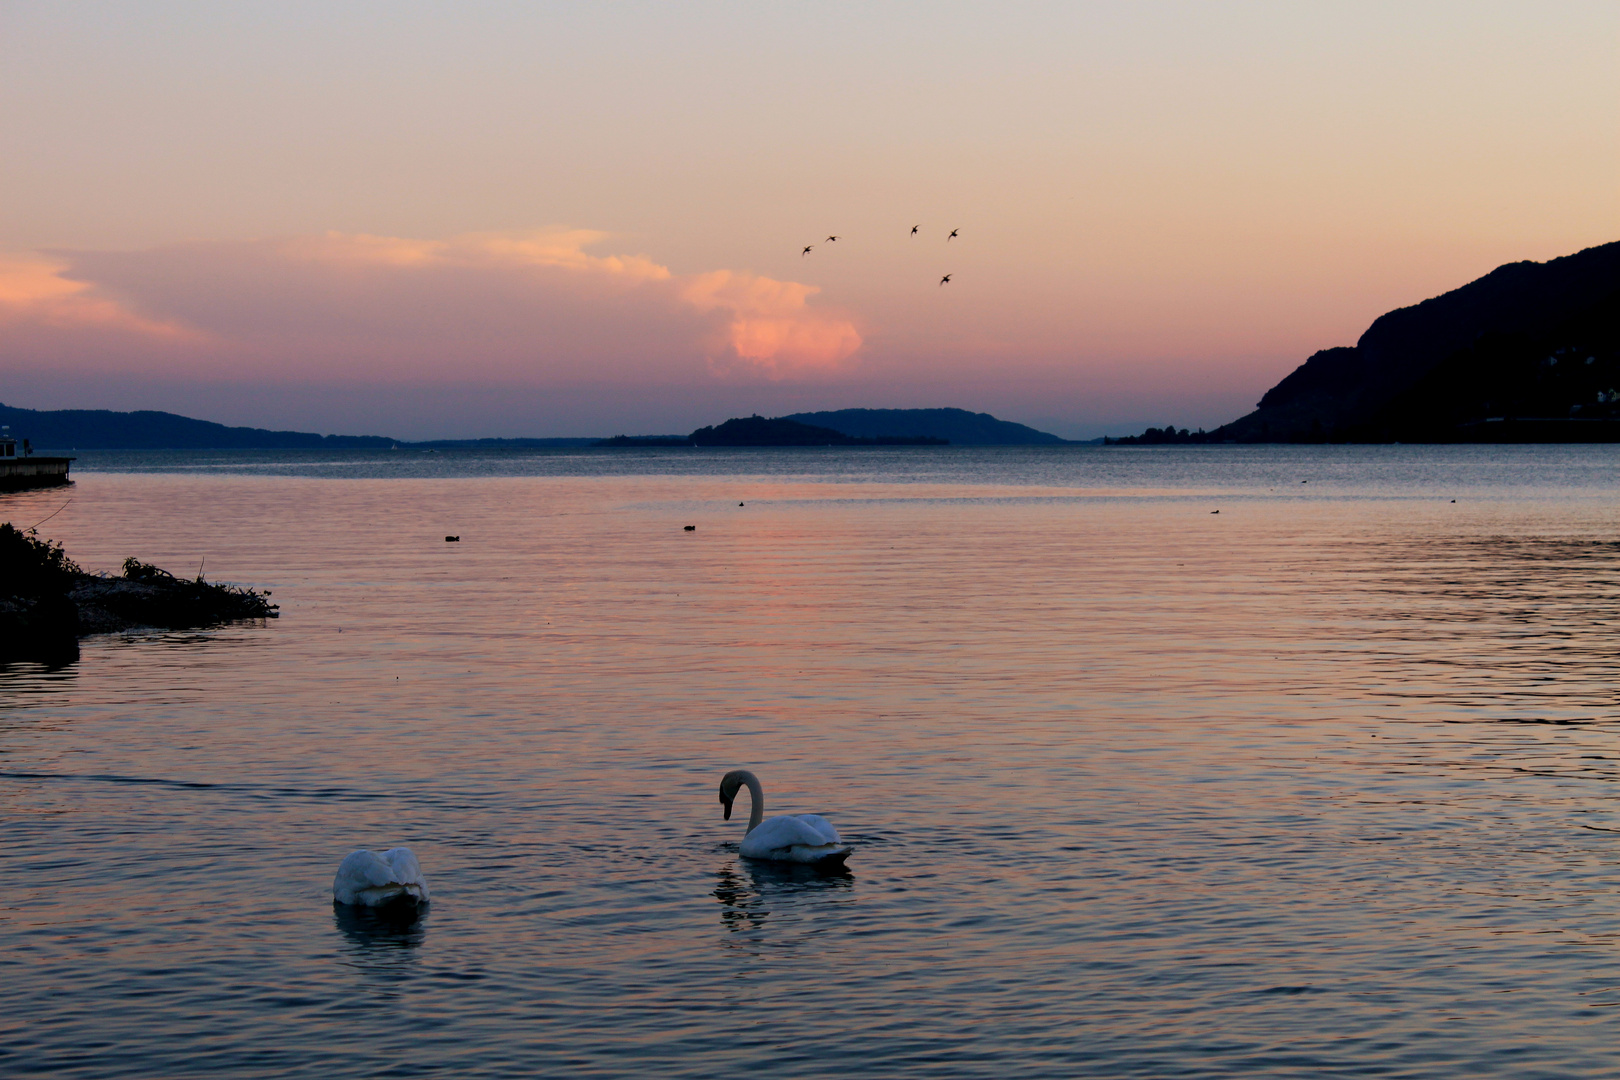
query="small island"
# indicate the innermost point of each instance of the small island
(47, 602)
(757, 430)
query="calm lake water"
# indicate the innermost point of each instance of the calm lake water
(1322, 784)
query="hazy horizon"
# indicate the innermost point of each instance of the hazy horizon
(451, 222)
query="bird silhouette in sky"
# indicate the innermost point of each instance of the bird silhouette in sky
(806, 250)
(951, 237)
(914, 229)
(944, 279)
(830, 239)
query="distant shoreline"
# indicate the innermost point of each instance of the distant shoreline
(99, 429)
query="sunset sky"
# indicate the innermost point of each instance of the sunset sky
(455, 220)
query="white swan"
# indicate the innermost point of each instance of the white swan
(367, 879)
(806, 838)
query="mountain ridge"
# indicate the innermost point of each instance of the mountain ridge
(1529, 352)
(150, 429)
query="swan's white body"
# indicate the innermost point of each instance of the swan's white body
(367, 879)
(803, 838)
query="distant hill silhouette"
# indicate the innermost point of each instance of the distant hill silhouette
(1528, 353)
(100, 429)
(961, 427)
(784, 431)
(562, 442)
(644, 440)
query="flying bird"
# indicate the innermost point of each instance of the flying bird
(914, 229)
(806, 250)
(830, 239)
(944, 279)
(951, 237)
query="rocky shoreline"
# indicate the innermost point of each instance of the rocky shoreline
(47, 602)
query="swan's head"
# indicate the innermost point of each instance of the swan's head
(729, 784)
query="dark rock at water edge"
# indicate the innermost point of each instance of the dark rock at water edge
(47, 602)
(148, 596)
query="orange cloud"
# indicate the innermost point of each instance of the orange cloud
(563, 248)
(771, 326)
(34, 290)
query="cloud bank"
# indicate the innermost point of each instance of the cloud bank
(530, 309)
(551, 332)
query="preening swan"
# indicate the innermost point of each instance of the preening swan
(367, 879)
(806, 838)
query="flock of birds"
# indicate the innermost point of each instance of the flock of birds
(914, 229)
(393, 878)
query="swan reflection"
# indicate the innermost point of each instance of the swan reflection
(382, 940)
(747, 893)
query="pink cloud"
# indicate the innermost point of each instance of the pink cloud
(771, 326)
(34, 293)
(531, 308)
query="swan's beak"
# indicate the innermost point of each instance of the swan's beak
(727, 804)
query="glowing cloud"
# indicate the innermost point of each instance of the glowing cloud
(561, 249)
(522, 306)
(34, 291)
(771, 327)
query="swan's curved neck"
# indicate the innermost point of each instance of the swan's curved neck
(756, 801)
(735, 779)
